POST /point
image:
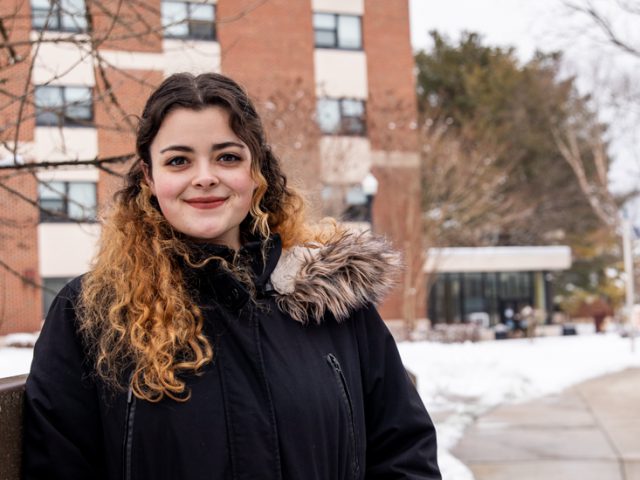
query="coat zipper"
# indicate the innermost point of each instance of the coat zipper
(128, 435)
(342, 384)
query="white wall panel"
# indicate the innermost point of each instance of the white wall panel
(67, 143)
(345, 160)
(190, 56)
(126, 60)
(67, 174)
(177, 56)
(341, 73)
(352, 7)
(62, 64)
(66, 249)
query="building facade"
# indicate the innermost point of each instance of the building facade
(495, 282)
(333, 80)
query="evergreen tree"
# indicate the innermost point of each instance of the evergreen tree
(531, 138)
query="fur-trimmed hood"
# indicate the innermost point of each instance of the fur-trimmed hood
(337, 277)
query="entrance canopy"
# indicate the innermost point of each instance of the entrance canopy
(497, 259)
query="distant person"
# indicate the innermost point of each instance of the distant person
(509, 319)
(219, 335)
(529, 320)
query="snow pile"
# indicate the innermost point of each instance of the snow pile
(15, 361)
(459, 382)
(19, 340)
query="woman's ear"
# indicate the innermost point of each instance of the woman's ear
(147, 177)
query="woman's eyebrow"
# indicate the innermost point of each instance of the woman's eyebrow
(180, 148)
(223, 145)
(214, 147)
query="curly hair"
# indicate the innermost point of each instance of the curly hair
(136, 313)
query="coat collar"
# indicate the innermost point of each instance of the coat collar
(337, 277)
(213, 282)
(308, 281)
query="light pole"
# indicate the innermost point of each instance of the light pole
(370, 189)
(629, 284)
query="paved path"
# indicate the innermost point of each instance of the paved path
(588, 432)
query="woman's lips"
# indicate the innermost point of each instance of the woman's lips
(204, 203)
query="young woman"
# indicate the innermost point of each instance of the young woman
(217, 335)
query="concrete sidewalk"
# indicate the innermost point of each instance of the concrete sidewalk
(588, 432)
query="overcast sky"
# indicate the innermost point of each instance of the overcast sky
(546, 25)
(520, 23)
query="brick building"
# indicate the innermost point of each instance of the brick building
(333, 80)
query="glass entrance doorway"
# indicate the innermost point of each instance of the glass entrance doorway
(502, 295)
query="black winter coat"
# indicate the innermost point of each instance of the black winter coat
(322, 398)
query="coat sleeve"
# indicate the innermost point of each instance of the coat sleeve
(401, 438)
(62, 435)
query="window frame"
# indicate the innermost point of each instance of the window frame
(64, 120)
(188, 21)
(51, 216)
(57, 13)
(342, 131)
(336, 32)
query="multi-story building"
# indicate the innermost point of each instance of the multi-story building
(332, 78)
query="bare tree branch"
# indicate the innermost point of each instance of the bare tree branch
(97, 162)
(596, 191)
(13, 55)
(25, 279)
(604, 24)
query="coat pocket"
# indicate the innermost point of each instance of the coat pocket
(346, 398)
(127, 442)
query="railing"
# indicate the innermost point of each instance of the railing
(11, 392)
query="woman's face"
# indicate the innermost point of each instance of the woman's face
(201, 175)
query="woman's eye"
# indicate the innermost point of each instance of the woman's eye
(229, 158)
(177, 161)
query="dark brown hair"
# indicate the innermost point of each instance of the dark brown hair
(274, 202)
(135, 310)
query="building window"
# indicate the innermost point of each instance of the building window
(357, 205)
(188, 20)
(501, 295)
(64, 106)
(337, 31)
(51, 285)
(341, 116)
(60, 15)
(67, 201)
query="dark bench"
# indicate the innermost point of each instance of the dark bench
(11, 391)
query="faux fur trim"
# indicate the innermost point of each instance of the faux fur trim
(338, 277)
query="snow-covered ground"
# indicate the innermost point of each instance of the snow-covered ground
(14, 361)
(459, 382)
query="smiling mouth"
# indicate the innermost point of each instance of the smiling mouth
(206, 203)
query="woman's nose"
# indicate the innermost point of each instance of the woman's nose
(206, 175)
